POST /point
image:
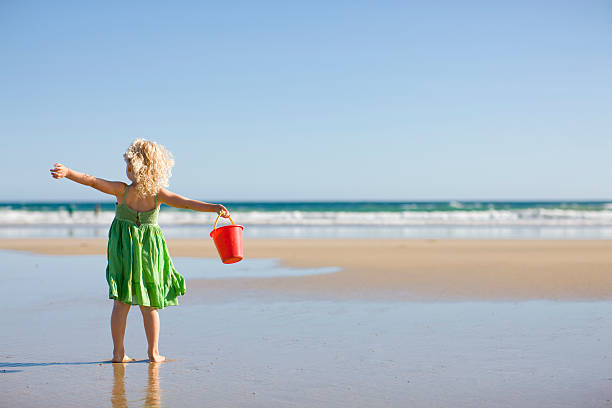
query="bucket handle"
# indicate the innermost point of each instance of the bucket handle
(217, 220)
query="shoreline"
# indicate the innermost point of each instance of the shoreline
(443, 270)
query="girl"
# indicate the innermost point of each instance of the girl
(139, 270)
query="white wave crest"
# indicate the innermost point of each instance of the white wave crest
(527, 217)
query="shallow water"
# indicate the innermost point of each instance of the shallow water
(336, 231)
(270, 351)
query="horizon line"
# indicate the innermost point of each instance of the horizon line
(470, 200)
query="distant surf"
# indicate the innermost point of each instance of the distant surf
(579, 219)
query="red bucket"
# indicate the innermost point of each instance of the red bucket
(228, 241)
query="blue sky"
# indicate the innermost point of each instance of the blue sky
(330, 100)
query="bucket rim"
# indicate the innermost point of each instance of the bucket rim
(226, 227)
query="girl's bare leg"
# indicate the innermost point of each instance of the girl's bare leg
(151, 326)
(118, 322)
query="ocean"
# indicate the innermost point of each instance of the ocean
(367, 219)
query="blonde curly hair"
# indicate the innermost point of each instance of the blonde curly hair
(151, 165)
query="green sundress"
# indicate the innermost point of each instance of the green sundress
(140, 271)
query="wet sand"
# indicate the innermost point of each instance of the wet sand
(257, 348)
(402, 269)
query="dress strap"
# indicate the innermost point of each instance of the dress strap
(125, 194)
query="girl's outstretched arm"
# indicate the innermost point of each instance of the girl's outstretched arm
(109, 187)
(175, 200)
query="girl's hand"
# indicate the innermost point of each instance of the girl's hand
(59, 171)
(222, 211)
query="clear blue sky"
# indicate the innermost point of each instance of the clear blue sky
(312, 100)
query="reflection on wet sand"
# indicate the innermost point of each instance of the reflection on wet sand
(118, 399)
(152, 391)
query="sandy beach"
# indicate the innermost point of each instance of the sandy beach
(402, 269)
(395, 323)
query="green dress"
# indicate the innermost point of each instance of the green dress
(140, 271)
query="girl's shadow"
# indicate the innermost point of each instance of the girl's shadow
(17, 365)
(118, 394)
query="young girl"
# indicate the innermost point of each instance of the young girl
(140, 271)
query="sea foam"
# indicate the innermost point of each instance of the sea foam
(514, 217)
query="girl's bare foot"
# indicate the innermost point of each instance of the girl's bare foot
(123, 358)
(156, 358)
